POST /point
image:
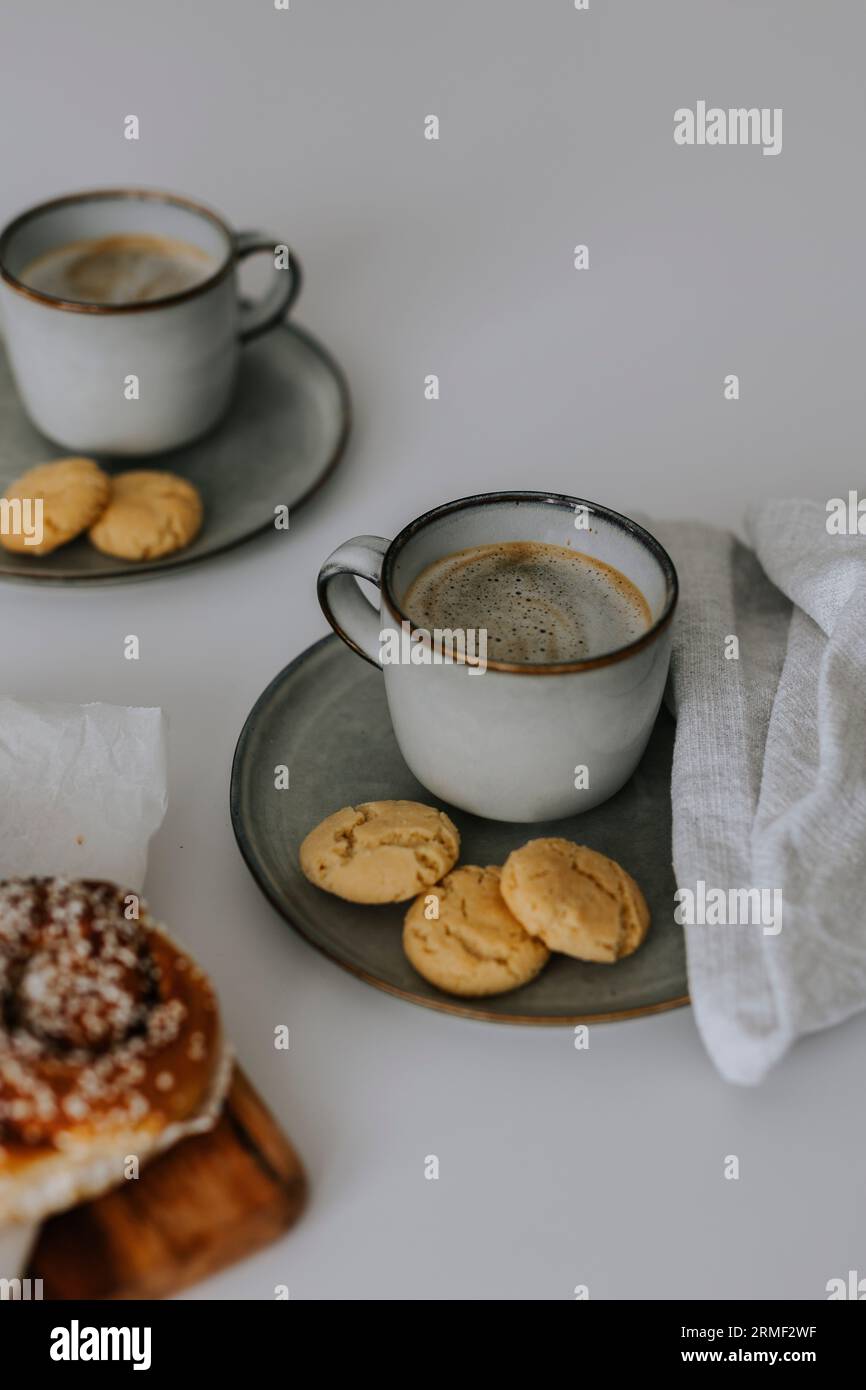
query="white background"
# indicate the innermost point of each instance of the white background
(558, 1167)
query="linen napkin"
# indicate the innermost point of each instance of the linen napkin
(769, 776)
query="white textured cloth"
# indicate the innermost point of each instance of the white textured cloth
(769, 775)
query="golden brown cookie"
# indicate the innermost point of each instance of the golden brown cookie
(149, 514)
(381, 851)
(575, 900)
(73, 491)
(475, 946)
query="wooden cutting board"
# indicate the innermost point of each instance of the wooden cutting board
(209, 1201)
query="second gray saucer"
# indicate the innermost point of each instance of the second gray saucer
(283, 434)
(325, 718)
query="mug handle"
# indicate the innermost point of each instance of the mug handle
(267, 312)
(350, 613)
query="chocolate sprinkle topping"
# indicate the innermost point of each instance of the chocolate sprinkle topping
(80, 1009)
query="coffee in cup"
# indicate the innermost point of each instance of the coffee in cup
(537, 602)
(128, 268)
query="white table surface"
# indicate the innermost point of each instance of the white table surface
(558, 1167)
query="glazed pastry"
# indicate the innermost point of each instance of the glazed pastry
(110, 1043)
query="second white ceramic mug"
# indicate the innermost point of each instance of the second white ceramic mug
(508, 743)
(72, 361)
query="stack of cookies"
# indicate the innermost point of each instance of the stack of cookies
(139, 515)
(474, 931)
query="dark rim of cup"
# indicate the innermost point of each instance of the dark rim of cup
(553, 499)
(149, 195)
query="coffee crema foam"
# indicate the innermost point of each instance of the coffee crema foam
(537, 602)
(120, 269)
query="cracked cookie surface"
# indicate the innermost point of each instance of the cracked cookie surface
(73, 492)
(380, 851)
(475, 946)
(149, 514)
(575, 900)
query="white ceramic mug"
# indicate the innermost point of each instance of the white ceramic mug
(507, 743)
(72, 361)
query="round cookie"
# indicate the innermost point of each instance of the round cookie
(475, 946)
(74, 492)
(575, 900)
(380, 851)
(149, 514)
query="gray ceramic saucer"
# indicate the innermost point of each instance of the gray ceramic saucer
(326, 719)
(284, 432)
